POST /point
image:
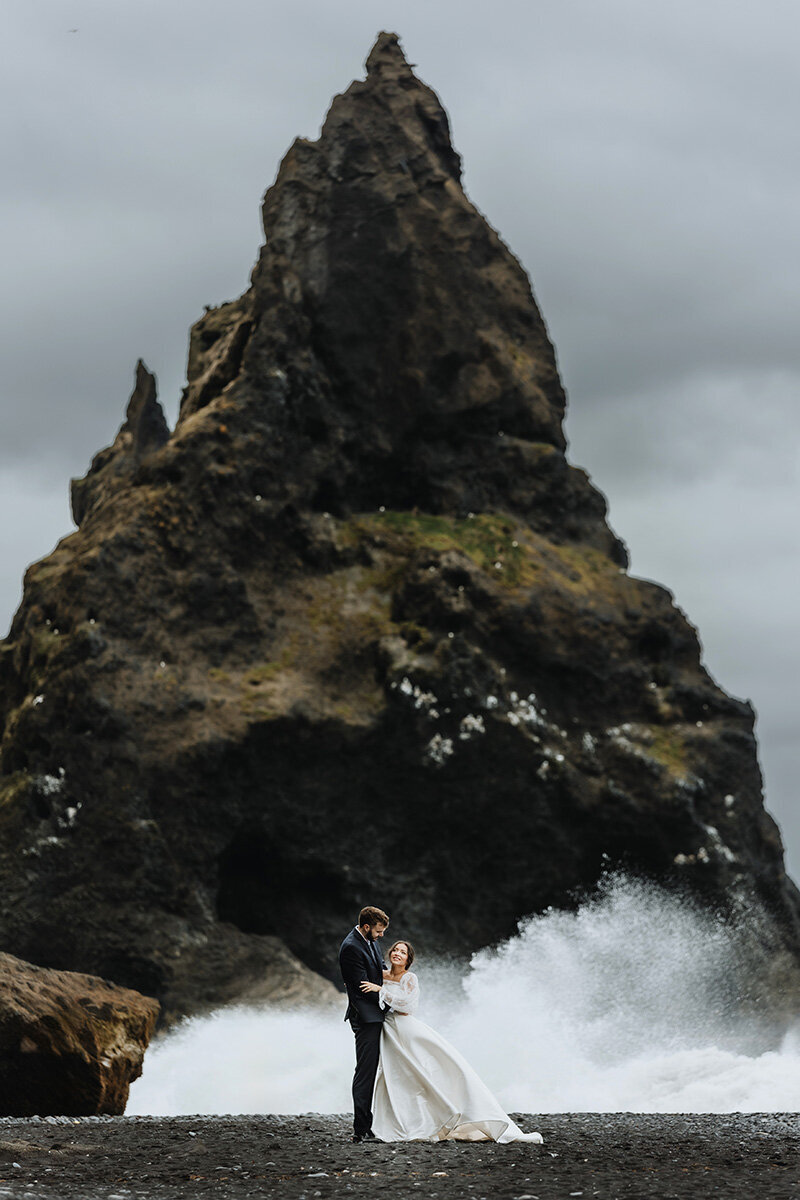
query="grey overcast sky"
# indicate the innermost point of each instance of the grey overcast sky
(640, 159)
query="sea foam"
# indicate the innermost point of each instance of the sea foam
(631, 1003)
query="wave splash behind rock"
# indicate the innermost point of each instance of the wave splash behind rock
(632, 1003)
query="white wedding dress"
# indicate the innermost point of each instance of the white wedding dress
(424, 1089)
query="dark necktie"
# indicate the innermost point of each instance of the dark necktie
(376, 956)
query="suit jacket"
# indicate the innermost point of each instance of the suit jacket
(357, 962)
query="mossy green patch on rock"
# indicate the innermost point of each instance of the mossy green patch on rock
(490, 540)
(218, 675)
(265, 672)
(669, 748)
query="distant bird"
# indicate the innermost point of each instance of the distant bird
(72, 31)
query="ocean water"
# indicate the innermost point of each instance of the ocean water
(632, 1003)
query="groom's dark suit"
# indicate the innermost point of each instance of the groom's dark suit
(360, 960)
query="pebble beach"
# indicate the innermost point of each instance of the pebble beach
(595, 1155)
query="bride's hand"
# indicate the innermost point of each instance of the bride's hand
(369, 987)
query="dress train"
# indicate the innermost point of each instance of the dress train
(425, 1090)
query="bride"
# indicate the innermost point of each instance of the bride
(424, 1089)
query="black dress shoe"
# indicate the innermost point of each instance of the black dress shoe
(370, 1136)
(358, 1137)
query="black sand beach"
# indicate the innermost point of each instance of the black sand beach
(584, 1155)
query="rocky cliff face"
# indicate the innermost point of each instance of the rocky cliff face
(356, 630)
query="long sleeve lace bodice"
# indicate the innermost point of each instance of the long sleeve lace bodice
(403, 996)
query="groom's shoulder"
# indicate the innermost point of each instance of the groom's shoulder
(349, 940)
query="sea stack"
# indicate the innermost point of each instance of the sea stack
(356, 630)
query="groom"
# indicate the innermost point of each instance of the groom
(359, 960)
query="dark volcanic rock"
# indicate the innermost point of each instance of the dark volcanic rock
(144, 431)
(357, 631)
(69, 1044)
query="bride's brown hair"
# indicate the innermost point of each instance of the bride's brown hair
(409, 948)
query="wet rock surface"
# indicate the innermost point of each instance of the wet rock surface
(69, 1043)
(609, 1156)
(356, 630)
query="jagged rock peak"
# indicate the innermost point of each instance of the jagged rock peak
(404, 99)
(144, 416)
(143, 431)
(389, 350)
(387, 54)
(389, 72)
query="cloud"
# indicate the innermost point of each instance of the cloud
(35, 512)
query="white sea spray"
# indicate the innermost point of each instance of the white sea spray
(628, 1004)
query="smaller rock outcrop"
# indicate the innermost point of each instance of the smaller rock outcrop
(69, 1044)
(225, 966)
(144, 431)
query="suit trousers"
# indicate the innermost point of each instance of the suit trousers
(368, 1050)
